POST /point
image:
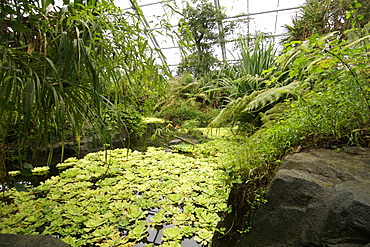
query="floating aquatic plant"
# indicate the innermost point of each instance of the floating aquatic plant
(115, 201)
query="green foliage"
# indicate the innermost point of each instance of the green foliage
(275, 113)
(331, 110)
(98, 198)
(270, 97)
(187, 100)
(232, 111)
(195, 66)
(183, 110)
(124, 120)
(245, 90)
(239, 87)
(326, 82)
(308, 68)
(201, 20)
(259, 57)
(172, 234)
(325, 16)
(339, 101)
(204, 237)
(202, 24)
(60, 68)
(246, 109)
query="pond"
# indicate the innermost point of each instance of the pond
(125, 198)
(26, 180)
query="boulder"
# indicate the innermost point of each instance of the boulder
(175, 142)
(317, 198)
(12, 240)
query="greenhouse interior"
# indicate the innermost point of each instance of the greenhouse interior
(194, 123)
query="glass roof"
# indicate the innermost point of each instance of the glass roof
(268, 16)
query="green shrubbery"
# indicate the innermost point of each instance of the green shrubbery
(315, 94)
(183, 111)
(328, 107)
(188, 101)
(125, 121)
(332, 106)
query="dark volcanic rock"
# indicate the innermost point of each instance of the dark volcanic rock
(317, 198)
(11, 240)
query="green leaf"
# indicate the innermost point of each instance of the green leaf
(204, 237)
(172, 233)
(360, 17)
(19, 27)
(206, 219)
(6, 209)
(95, 220)
(138, 232)
(103, 232)
(181, 219)
(135, 213)
(27, 166)
(188, 231)
(158, 218)
(175, 198)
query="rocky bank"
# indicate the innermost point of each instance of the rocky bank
(317, 198)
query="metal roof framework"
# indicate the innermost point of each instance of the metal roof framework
(254, 12)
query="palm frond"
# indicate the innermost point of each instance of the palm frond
(59, 74)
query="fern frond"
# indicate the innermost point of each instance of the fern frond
(253, 103)
(275, 113)
(232, 111)
(237, 88)
(187, 88)
(269, 97)
(248, 84)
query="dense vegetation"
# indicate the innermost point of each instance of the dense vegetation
(64, 75)
(67, 71)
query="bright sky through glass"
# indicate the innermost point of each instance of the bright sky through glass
(271, 23)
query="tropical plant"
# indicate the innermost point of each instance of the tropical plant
(235, 88)
(252, 73)
(255, 90)
(124, 121)
(187, 100)
(258, 58)
(333, 111)
(60, 66)
(325, 16)
(246, 109)
(197, 67)
(300, 60)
